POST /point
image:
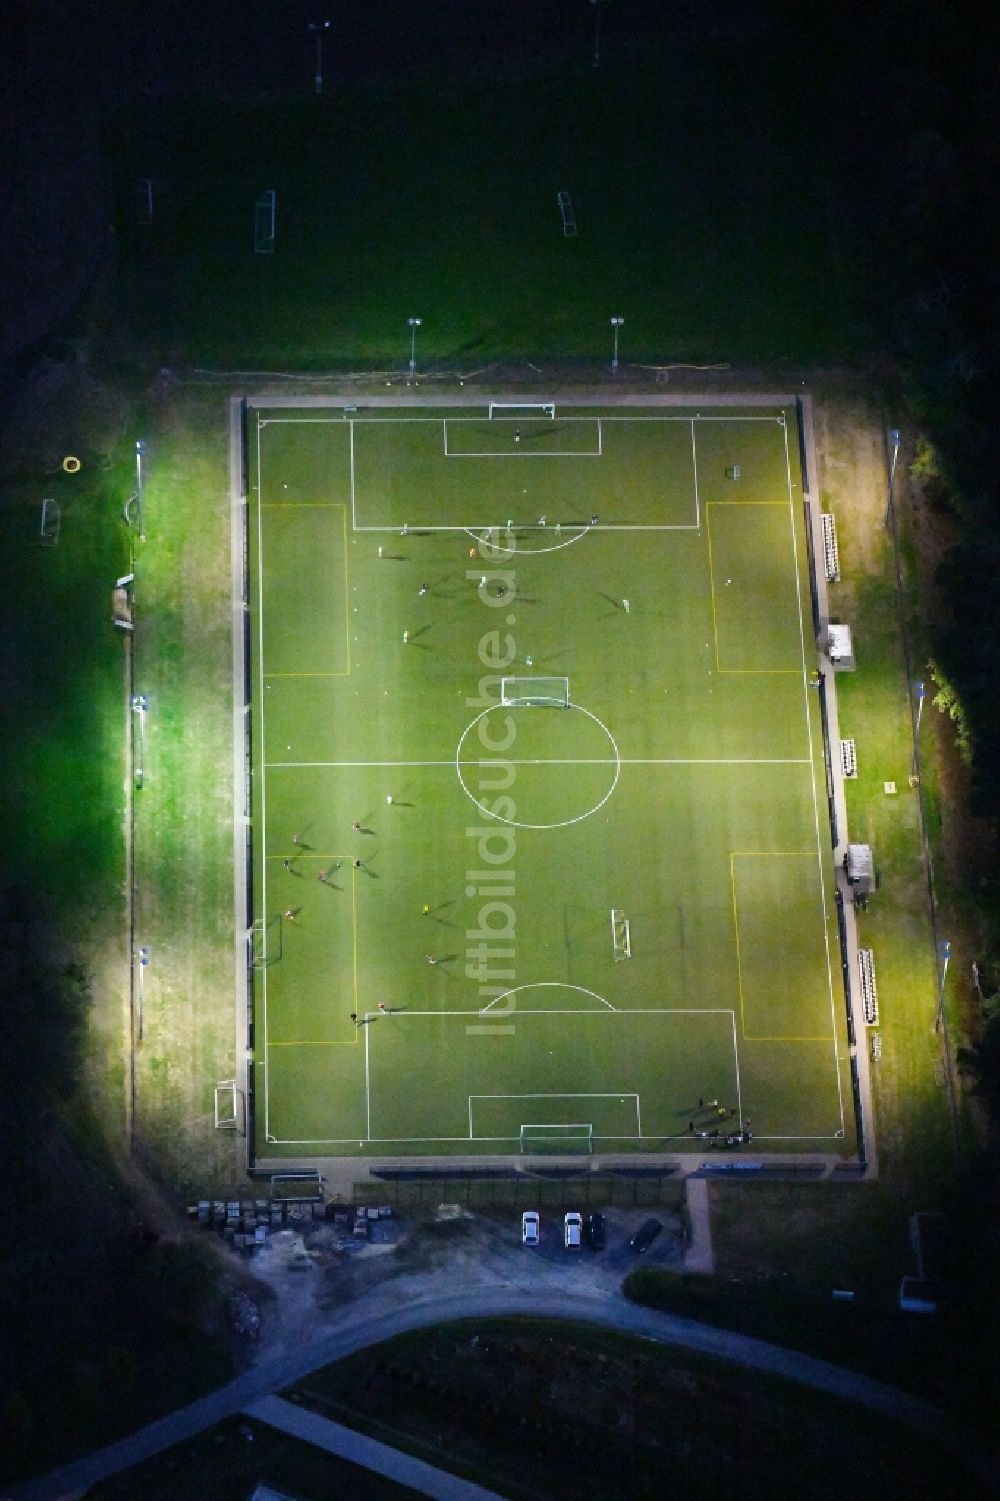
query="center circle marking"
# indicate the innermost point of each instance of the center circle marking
(516, 823)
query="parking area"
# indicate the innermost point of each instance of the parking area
(318, 1268)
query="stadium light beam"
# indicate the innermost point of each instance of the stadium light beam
(318, 28)
(616, 324)
(414, 324)
(894, 440)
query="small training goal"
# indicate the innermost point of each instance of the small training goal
(534, 693)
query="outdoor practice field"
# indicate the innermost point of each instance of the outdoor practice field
(626, 886)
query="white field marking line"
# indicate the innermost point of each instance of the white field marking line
(263, 780)
(414, 527)
(520, 452)
(354, 519)
(523, 454)
(736, 1061)
(541, 761)
(806, 690)
(338, 420)
(368, 1092)
(576, 533)
(694, 466)
(515, 823)
(409, 1015)
(548, 985)
(600, 439)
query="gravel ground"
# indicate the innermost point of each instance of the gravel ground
(314, 1272)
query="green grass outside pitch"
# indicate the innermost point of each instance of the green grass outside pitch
(684, 785)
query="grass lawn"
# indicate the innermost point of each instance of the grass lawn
(403, 815)
(695, 221)
(535, 1408)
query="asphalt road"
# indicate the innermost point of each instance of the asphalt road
(611, 1312)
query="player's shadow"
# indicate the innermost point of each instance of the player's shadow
(422, 631)
(615, 603)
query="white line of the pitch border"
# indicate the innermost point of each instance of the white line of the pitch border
(331, 1141)
(354, 518)
(807, 697)
(581, 761)
(368, 1092)
(263, 789)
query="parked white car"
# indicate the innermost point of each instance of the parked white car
(529, 1227)
(572, 1230)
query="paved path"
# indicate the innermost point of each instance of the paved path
(323, 1434)
(361, 1328)
(699, 1256)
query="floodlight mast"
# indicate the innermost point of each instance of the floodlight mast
(921, 693)
(596, 61)
(894, 440)
(413, 324)
(140, 479)
(616, 324)
(318, 28)
(943, 954)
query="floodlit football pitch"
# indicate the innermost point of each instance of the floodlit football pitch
(541, 854)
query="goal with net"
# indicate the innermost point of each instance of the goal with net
(522, 409)
(51, 522)
(229, 1112)
(571, 1136)
(534, 693)
(621, 935)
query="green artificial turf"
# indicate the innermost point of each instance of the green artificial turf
(683, 787)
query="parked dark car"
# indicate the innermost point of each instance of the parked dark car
(645, 1235)
(595, 1231)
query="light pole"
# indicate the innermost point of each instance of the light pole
(616, 324)
(143, 963)
(894, 440)
(921, 693)
(318, 28)
(597, 31)
(943, 954)
(140, 452)
(414, 324)
(140, 705)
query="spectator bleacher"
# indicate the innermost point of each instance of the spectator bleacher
(869, 992)
(831, 555)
